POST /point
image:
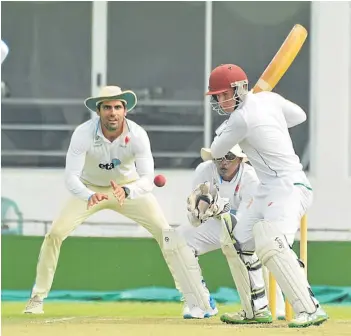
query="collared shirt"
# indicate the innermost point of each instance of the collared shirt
(94, 160)
(240, 190)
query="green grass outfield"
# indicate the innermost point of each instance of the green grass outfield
(147, 319)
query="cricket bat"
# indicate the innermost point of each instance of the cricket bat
(282, 60)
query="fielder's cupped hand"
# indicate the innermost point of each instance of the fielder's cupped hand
(96, 198)
(118, 192)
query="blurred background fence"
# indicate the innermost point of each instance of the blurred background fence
(63, 52)
(61, 49)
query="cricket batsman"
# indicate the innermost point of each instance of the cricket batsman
(260, 124)
(109, 165)
(236, 182)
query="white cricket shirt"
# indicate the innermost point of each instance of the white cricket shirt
(94, 160)
(240, 190)
(260, 126)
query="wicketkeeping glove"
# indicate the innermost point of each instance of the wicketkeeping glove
(204, 203)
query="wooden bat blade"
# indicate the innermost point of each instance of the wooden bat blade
(282, 60)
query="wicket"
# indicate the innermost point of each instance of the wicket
(272, 282)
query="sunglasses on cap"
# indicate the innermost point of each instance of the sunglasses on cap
(229, 157)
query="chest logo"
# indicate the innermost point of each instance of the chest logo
(108, 166)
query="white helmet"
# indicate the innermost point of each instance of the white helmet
(236, 150)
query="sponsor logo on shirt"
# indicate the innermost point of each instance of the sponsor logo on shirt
(108, 166)
(97, 141)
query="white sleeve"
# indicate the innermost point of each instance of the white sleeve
(75, 160)
(4, 51)
(231, 135)
(293, 113)
(202, 174)
(144, 163)
(248, 189)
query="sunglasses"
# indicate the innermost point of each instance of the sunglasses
(228, 157)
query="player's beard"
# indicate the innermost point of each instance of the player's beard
(112, 126)
(223, 172)
(227, 173)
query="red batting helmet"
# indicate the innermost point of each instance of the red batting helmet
(225, 77)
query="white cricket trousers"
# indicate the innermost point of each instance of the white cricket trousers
(207, 237)
(144, 210)
(283, 202)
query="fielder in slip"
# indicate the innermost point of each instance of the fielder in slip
(109, 165)
(259, 123)
(237, 183)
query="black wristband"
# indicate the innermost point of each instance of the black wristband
(126, 191)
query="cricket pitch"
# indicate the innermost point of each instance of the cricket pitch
(147, 319)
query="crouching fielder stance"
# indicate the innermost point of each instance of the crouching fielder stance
(259, 123)
(109, 165)
(236, 182)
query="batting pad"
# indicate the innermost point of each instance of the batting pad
(237, 268)
(274, 252)
(185, 269)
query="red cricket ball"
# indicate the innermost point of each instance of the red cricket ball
(159, 181)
